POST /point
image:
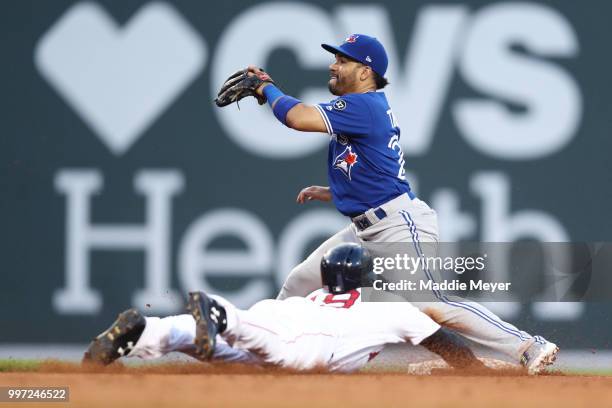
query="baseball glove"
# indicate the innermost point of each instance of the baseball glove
(240, 85)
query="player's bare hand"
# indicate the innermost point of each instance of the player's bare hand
(252, 70)
(314, 193)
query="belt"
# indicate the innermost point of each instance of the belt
(362, 221)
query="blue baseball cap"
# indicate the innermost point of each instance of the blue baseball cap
(363, 48)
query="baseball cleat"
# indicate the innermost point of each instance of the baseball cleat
(538, 356)
(118, 340)
(210, 320)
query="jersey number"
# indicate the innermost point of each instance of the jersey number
(345, 299)
(395, 146)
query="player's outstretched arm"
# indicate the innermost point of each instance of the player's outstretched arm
(288, 110)
(305, 118)
(291, 112)
(452, 349)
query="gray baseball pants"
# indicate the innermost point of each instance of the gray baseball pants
(415, 223)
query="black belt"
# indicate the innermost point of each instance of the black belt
(362, 222)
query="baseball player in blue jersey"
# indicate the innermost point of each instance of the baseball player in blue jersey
(367, 183)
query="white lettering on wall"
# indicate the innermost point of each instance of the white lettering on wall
(82, 237)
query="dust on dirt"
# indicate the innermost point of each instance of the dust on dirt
(203, 385)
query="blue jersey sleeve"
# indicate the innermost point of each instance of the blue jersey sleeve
(349, 115)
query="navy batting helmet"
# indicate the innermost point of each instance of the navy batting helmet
(346, 267)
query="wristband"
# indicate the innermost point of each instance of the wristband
(280, 103)
(272, 93)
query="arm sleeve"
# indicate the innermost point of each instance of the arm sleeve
(348, 115)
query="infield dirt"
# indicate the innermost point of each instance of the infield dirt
(189, 386)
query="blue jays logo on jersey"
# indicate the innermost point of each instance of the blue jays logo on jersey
(345, 161)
